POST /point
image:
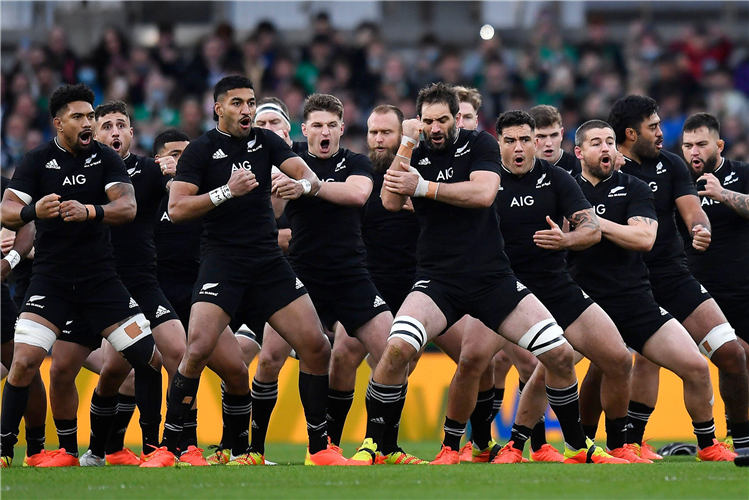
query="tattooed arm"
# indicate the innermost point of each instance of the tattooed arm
(738, 202)
(638, 235)
(584, 232)
(121, 208)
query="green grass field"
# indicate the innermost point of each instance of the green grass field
(675, 477)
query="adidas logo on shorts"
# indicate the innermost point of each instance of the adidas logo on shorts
(132, 304)
(299, 284)
(161, 310)
(377, 420)
(663, 311)
(219, 155)
(425, 161)
(520, 287)
(378, 301)
(254, 425)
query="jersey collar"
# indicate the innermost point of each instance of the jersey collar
(331, 156)
(222, 132)
(556, 163)
(60, 147)
(722, 162)
(127, 156)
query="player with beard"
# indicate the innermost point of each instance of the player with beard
(74, 188)
(723, 186)
(462, 269)
(614, 274)
(636, 124)
(225, 177)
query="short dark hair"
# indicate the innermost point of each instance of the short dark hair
(384, 109)
(470, 95)
(700, 120)
(514, 118)
(629, 112)
(70, 93)
(323, 102)
(582, 131)
(545, 116)
(230, 83)
(111, 107)
(438, 93)
(274, 100)
(168, 135)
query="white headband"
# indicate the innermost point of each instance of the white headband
(272, 108)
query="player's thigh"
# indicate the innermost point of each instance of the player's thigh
(67, 360)
(250, 348)
(480, 343)
(207, 323)
(450, 341)
(528, 313)
(703, 319)
(348, 353)
(114, 367)
(373, 335)
(272, 356)
(594, 335)
(672, 348)
(522, 359)
(298, 324)
(171, 341)
(226, 360)
(94, 360)
(424, 309)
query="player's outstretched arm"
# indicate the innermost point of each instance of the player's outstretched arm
(354, 192)
(186, 204)
(300, 180)
(638, 235)
(16, 213)
(695, 219)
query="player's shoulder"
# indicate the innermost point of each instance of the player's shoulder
(476, 138)
(739, 166)
(42, 152)
(299, 147)
(671, 159)
(354, 156)
(633, 183)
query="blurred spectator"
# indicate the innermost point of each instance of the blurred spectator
(111, 57)
(13, 147)
(60, 56)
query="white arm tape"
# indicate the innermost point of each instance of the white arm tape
(13, 258)
(32, 333)
(542, 337)
(130, 332)
(422, 186)
(408, 142)
(220, 194)
(718, 336)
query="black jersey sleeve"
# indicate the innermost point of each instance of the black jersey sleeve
(26, 176)
(485, 154)
(192, 163)
(641, 200)
(570, 196)
(361, 165)
(278, 150)
(114, 167)
(682, 181)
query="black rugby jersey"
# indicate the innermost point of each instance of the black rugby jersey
(669, 179)
(606, 269)
(389, 237)
(244, 225)
(724, 266)
(177, 246)
(522, 205)
(134, 248)
(569, 163)
(325, 235)
(70, 249)
(453, 240)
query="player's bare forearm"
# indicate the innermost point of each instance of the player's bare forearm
(25, 239)
(353, 193)
(122, 207)
(393, 202)
(185, 204)
(585, 230)
(479, 192)
(638, 235)
(296, 168)
(11, 214)
(738, 202)
(691, 212)
(284, 237)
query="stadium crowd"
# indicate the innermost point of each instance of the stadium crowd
(169, 85)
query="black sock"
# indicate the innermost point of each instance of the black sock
(103, 411)
(148, 398)
(238, 408)
(454, 431)
(538, 436)
(225, 443)
(15, 400)
(382, 404)
(34, 440)
(705, 432)
(481, 419)
(519, 435)
(638, 415)
(67, 434)
(189, 435)
(728, 426)
(566, 405)
(591, 430)
(616, 432)
(390, 438)
(181, 397)
(125, 410)
(313, 390)
(499, 396)
(740, 433)
(339, 404)
(264, 398)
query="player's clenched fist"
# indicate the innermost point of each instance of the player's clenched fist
(48, 207)
(242, 182)
(412, 128)
(73, 211)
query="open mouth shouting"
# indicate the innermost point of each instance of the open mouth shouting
(606, 161)
(245, 123)
(518, 160)
(85, 138)
(325, 146)
(117, 145)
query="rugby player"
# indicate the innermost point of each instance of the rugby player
(549, 136)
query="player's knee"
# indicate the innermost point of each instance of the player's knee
(560, 360)
(620, 366)
(315, 353)
(23, 370)
(730, 358)
(715, 341)
(397, 355)
(407, 337)
(546, 341)
(61, 374)
(694, 368)
(472, 363)
(143, 354)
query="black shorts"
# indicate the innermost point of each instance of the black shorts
(490, 299)
(678, 292)
(101, 300)
(564, 299)
(394, 288)
(637, 317)
(353, 300)
(78, 331)
(156, 307)
(244, 330)
(179, 295)
(252, 320)
(259, 287)
(736, 309)
(8, 314)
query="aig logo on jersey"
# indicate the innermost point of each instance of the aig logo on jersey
(522, 201)
(445, 175)
(653, 186)
(244, 165)
(600, 209)
(709, 201)
(74, 180)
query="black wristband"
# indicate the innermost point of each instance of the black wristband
(28, 213)
(99, 213)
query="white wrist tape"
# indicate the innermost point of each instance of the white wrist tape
(306, 185)
(220, 194)
(13, 258)
(421, 188)
(408, 142)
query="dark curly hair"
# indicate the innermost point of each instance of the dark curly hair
(70, 93)
(111, 107)
(514, 118)
(629, 112)
(438, 93)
